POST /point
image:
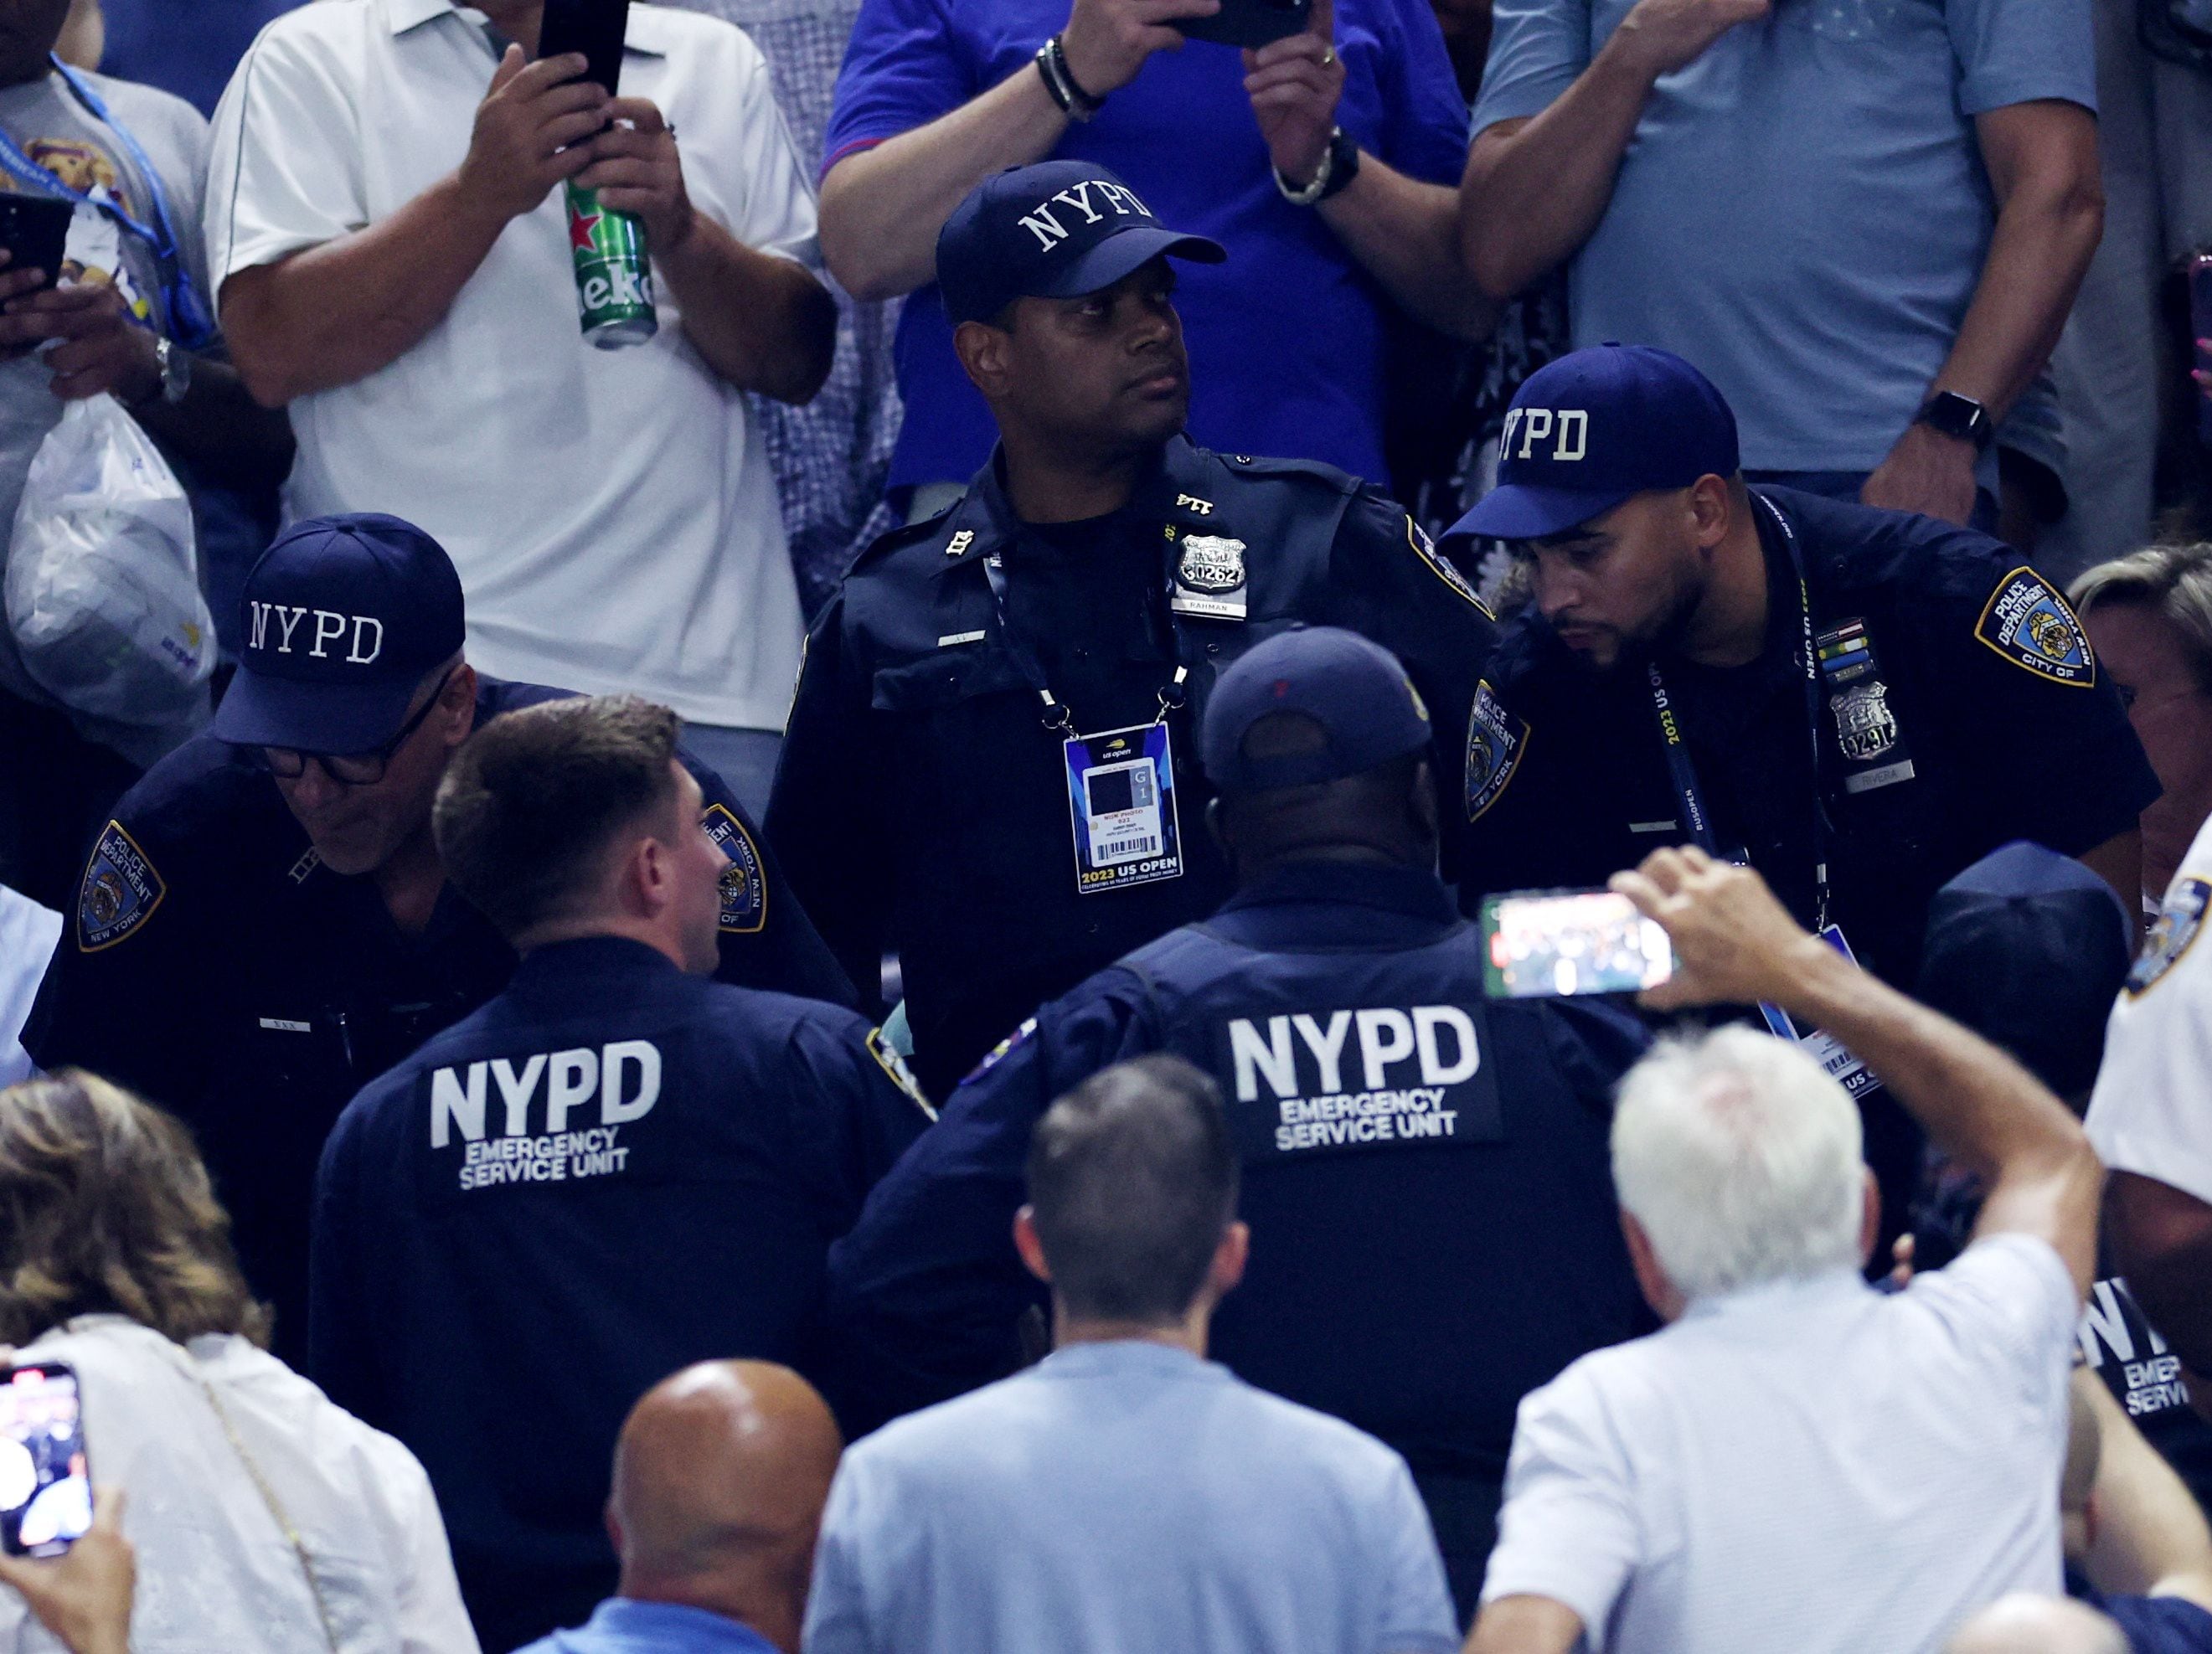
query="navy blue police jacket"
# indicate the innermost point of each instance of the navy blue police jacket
(609, 1171)
(922, 804)
(1956, 705)
(1425, 1172)
(217, 968)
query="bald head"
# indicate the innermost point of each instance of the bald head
(718, 1483)
(2022, 1624)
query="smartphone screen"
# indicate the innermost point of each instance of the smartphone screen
(46, 1485)
(35, 231)
(2200, 327)
(594, 27)
(1249, 22)
(1542, 943)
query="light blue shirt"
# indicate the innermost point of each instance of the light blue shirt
(1803, 211)
(1124, 1497)
(622, 1625)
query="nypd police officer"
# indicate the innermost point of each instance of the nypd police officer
(1863, 702)
(614, 1168)
(1426, 1171)
(264, 926)
(988, 767)
(1860, 704)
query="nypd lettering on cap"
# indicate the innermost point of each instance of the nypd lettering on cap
(119, 893)
(744, 886)
(1054, 219)
(285, 628)
(1560, 434)
(2027, 623)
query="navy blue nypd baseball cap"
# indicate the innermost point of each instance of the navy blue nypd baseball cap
(1368, 710)
(1595, 428)
(1056, 229)
(342, 618)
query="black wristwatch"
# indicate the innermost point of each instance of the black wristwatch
(1958, 416)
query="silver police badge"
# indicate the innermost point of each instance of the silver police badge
(1865, 727)
(1210, 577)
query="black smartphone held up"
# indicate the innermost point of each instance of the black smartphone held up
(46, 1482)
(1542, 943)
(594, 27)
(1240, 23)
(35, 228)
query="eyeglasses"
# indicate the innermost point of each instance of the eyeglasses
(350, 769)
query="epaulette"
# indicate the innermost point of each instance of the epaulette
(899, 538)
(1342, 482)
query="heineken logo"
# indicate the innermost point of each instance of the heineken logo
(583, 229)
(614, 283)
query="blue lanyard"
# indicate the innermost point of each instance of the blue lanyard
(190, 323)
(1684, 773)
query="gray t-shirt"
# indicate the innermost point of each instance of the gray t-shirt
(51, 126)
(1803, 211)
(53, 129)
(1126, 1497)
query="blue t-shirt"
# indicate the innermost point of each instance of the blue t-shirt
(1124, 1497)
(189, 50)
(622, 1624)
(1803, 211)
(1286, 339)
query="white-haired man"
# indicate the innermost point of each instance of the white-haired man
(1797, 1461)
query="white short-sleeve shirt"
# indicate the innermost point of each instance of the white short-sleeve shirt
(1810, 1465)
(611, 512)
(2151, 1113)
(220, 1448)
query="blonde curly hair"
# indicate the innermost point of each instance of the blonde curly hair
(106, 1207)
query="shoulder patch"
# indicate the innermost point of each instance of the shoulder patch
(1496, 742)
(1441, 566)
(999, 1053)
(2179, 921)
(2027, 623)
(744, 885)
(894, 1066)
(120, 891)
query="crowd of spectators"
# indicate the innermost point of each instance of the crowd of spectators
(477, 1207)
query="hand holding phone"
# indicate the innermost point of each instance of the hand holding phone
(1107, 41)
(1250, 23)
(34, 229)
(1547, 944)
(46, 1480)
(1735, 943)
(594, 29)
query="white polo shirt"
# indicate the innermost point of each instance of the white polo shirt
(1808, 1465)
(611, 512)
(2151, 1113)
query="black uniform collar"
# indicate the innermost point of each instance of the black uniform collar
(985, 520)
(590, 959)
(1417, 892)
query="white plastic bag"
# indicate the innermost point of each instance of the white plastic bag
(103, 591)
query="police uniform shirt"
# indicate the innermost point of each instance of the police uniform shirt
(612, 1170)
(216, 967)
(1956, 707)
(1425, 1172)
(921, 803)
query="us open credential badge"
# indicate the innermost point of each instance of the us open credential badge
(121, 891)
(1120, 790)
(745, 888)
(1496, 741)
(1209, 578)
(2179, 919)
(2029, 624)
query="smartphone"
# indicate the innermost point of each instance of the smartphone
(2200, 327)
(594, 27)
(45, 1483)
(1546, 943)
(35, 228)
(1239, 22)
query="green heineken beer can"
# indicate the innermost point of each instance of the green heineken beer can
(614, 283)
